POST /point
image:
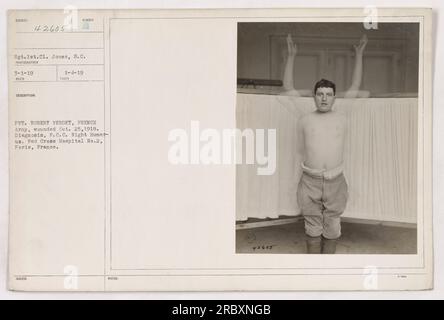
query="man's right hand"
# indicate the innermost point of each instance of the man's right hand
(292, 48)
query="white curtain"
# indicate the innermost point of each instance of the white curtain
(380, 157)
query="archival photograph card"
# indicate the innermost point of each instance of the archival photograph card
(220, 150)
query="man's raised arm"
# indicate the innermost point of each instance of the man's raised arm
(353, 91)
(288, 81)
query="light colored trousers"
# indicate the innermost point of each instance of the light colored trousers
(322, 197)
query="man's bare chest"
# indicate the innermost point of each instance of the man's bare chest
(324, 129)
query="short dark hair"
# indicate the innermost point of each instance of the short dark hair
(323, 83)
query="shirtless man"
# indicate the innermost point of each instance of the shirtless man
(322, 191)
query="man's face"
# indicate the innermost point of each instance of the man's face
(324, 98)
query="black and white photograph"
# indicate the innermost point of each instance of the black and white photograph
(342, 98)
(234, 150)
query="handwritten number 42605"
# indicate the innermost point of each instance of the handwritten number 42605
(47, 28)
(269, 247)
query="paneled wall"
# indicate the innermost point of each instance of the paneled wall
(325, 50)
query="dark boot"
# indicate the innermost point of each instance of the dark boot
(314, 245)
(328, 246)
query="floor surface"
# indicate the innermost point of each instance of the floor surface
(356, 239)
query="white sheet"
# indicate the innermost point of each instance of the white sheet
(380, 157)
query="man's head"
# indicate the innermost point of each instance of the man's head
(324, 95)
